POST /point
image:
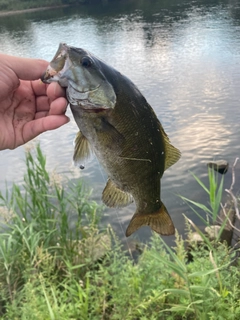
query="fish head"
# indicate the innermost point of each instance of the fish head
(83, 76)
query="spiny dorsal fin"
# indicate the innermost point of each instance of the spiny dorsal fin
(159, 222)
(82, 148)
(112, 196)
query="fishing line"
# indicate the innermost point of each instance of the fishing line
(117, 214)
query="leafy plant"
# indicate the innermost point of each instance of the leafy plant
(215, 195)
(37, 237)
(47, 273)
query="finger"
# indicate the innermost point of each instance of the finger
(54, 91)
(58, 106)
(39, 88)
(42, 104)
(25, 68)
(38, 126)
(41, 114)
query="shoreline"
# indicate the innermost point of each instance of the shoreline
(13, 12)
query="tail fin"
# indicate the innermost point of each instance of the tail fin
(159, 222)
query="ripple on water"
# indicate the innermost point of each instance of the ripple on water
(185, 60)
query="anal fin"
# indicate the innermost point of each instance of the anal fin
(112, 196)
(159, 222)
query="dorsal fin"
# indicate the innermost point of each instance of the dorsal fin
(172, 154)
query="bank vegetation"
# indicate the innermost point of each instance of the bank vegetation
(16, 5)
(58, 261)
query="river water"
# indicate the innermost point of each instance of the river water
(185, 58)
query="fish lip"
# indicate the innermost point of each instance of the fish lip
(48, 74)
(45, 77)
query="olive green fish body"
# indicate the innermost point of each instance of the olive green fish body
(116, 121)
(117, 139)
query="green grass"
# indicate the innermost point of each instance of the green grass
(214, 192)
(46, 273)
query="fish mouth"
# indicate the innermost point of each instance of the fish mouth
(52, 75)
(48, 75)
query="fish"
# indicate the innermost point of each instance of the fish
(117, 123)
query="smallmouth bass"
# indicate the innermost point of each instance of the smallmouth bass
(118, 124)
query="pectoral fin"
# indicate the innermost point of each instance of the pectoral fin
(82, 148)
(108, 134)
(159, 222)
(112, 196)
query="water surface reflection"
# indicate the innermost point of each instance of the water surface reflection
(183, 56)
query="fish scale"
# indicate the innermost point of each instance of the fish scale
(118, 124)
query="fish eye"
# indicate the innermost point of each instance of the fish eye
(86, 62)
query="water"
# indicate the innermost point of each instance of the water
(185, 58)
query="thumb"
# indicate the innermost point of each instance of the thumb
(25, 68)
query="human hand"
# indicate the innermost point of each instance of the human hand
(28, 107)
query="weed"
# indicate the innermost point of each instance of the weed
(50, 271)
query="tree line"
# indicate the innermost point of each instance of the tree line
(10, 5)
